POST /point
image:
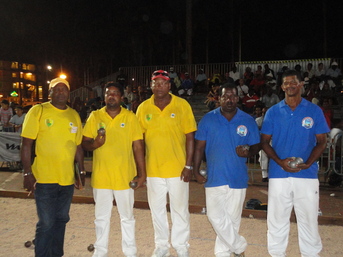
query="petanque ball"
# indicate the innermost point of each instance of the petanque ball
(28, 244)
(90, 248)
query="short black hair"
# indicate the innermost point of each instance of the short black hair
(288, 73)
(117, 85)
(227, 85)
(5, 102)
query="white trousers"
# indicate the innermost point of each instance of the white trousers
(178, 192)
(103, 209)
(303, 195)
(224, 210)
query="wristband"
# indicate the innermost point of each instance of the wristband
(189, 167)
(27, 174)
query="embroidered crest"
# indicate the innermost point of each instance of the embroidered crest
(49, 122)
(307, 122)
(122, 125)
(172, 115)
(148, 117)
(242, 130)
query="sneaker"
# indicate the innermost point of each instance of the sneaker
(265, 179)
(160, 252)
(182, 254)
(238, 254)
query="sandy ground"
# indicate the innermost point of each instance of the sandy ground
(18, 218)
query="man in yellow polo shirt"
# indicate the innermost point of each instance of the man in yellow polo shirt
(168, 125)
(118, 158)
(57, 130)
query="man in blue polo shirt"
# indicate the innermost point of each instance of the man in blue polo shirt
(228, 136)
(298, 129)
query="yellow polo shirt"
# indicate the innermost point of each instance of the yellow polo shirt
(57, 133)
(113, 163)
(165, 135)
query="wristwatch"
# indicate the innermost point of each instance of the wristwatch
(189, 167)
(82, 172)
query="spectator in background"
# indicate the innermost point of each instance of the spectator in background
(311, 73)
(312, 91)
(216, 79)
(326, 91)
(6, 113)
(249, 101)
(320, 72)
(130, 97)
(298, 69)
(242, 89)
(268, 71)
(99, 90)
(326, 106)
(271, 82)
(200, 81)
(263, 158)
(248, 75)
(270, 98)
(257, 84)
(258, 71)
(121, 78)
(234, 74)
(334, 73)
(212, 98)
(186, 87)
(175, 81)
(227, 78)
(18, 119)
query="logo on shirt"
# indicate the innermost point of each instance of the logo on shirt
(242, 130)
(307, 122)
(49, 122)
(172, 115)
(148, 117)
(122, 125)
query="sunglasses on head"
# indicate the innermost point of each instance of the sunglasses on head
(163, 73)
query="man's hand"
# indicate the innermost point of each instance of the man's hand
(285, 165)
(242, 150)
(99, 140)
(29, 182)
(186, 175)
(141, 181)
(77, 183)
(200, 179)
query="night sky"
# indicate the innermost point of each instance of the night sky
(101, 36)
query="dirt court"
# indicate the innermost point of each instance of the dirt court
(18, 218)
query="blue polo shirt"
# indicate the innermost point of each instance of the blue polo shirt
(224, 166)
(294, 135)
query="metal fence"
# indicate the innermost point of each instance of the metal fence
(329, 162)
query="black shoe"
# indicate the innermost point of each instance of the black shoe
(265, 179)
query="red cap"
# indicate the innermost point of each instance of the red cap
(160, 74)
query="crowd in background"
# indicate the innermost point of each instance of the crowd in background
(256, 88)
(262, 87)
